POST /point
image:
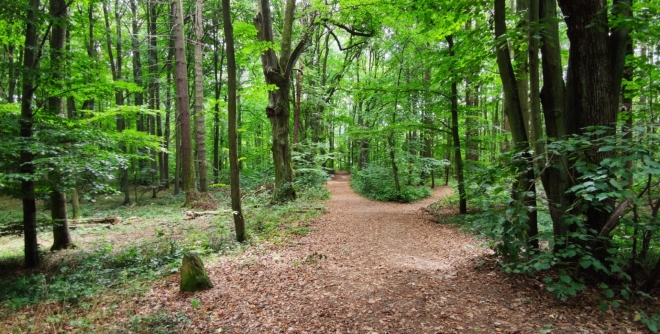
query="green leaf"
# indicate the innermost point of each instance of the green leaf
(566, 279)
(609, 293)
(603, 307)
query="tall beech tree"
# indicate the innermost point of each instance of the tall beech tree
(59, 16)
(200, 121)
(183, 103)
(277, 70)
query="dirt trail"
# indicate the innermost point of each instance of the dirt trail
(372, 267)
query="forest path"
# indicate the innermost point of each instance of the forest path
(371, 267)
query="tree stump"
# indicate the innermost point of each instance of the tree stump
(193, 275)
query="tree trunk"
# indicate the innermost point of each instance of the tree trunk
(237, 210)
(558, 122)
(30, 65)
(296, 114)
(61, 235)
(11, 73)
(116, 70)
(456, 142)
(595, 66)
(217, 72)
(536, 128)
(525, 183)
(183, 104)
(59, 15)
(278, 73)
(200, 122)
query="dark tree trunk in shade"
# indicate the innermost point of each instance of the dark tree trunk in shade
(525, 183)
(237, 210)
(30, 62)
(456, 141)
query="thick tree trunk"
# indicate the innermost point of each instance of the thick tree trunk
(200, 122)
(456, 141)
(30, 62)
(278, 73)
(237, 210)
(595, 66)
(61, 235)
(183, 104)
(59, 15)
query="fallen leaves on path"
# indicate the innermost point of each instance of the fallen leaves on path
(373, 267)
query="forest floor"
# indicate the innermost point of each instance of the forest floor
(364, 267)
(374, 267)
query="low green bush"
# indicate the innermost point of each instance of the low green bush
(376, 182)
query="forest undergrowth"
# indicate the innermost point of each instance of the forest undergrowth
(73, 289)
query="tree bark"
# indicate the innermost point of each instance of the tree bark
(237, 210)
(458, 159)
(200, 122)
(59, 15)
(217, 72)
(525, 183)
(183, 104)
(278, 73)
(594, 75)
(30, 65)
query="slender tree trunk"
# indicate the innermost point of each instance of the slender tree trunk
(217, 72)
(525, 184)
(200, 122)
(119, 98)
(536, 128)
(237, 210)
(183, 105)
(296, 114)
(458, 159)
(11, 49)
(30, 65)
(558, 122)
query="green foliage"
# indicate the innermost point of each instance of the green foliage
(377, 183)
(89, 273)
(161, 323)
(572, 262)
(309, 164)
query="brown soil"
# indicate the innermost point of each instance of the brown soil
(373, 267)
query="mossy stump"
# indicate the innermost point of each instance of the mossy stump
(193, 275)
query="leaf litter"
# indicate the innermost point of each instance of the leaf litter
(375, 267)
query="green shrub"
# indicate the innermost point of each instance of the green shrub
(377, 183)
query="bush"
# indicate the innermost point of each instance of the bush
(377, 183)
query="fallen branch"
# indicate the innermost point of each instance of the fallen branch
(106, 220)
(193, 214)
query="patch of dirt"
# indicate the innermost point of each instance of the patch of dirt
(374, 267)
